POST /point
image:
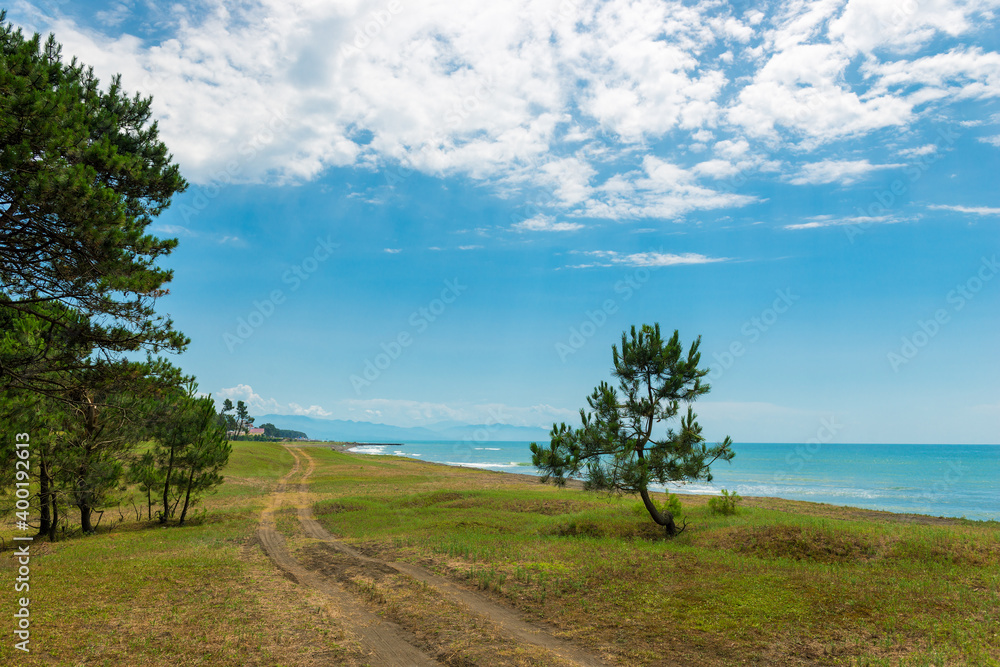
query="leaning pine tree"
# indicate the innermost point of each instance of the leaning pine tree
(616, 449)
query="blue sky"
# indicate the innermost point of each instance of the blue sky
(414, 212)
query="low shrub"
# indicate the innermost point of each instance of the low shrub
(727, 503)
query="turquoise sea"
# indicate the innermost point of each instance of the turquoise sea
(940, 480)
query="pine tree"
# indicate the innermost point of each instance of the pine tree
(190, 451)
(616, 449)
(82, 174)
(86, 421)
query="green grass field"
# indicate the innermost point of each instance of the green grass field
(762, 587)
(803, 584)
(195, 595)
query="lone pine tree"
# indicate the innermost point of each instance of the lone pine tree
(616, 448)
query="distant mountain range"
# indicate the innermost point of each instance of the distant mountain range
(352, 431)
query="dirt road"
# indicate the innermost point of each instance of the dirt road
(386, 642)
(382, 639)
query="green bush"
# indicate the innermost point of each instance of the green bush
(674, 507)
(727, 503)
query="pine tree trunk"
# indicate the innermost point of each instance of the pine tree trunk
(166, 488)
(173, 510)
(83, 498)
(85, 513)
(45, 518)
(55, 516)
(187, 495)
(665, 519)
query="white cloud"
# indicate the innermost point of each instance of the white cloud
(843, 172)
(833, 221)
(261, 93)
(173, 230)
(258, 405)
(114, 16)
(470, 247)
(959, 73)
(919, 151)
(803, 85)
(569, 179)
(544, 223)
(576, 98)
(638, 61)
(975, 210)
(311, 411)
(661, 190)
(644, 259)
(732, 149)
(717, 168)
(866, 25)
(182, 231)
(801, 88)
(993, 141)
(393, 251)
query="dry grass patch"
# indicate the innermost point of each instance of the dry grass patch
(442, 628)
(545, 507)
(323, 509)
(797, 543)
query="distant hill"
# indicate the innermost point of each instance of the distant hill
(354, 431)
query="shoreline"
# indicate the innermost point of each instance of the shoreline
(829, 510)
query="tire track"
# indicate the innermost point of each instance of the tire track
(502, 617)
(382, 639)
